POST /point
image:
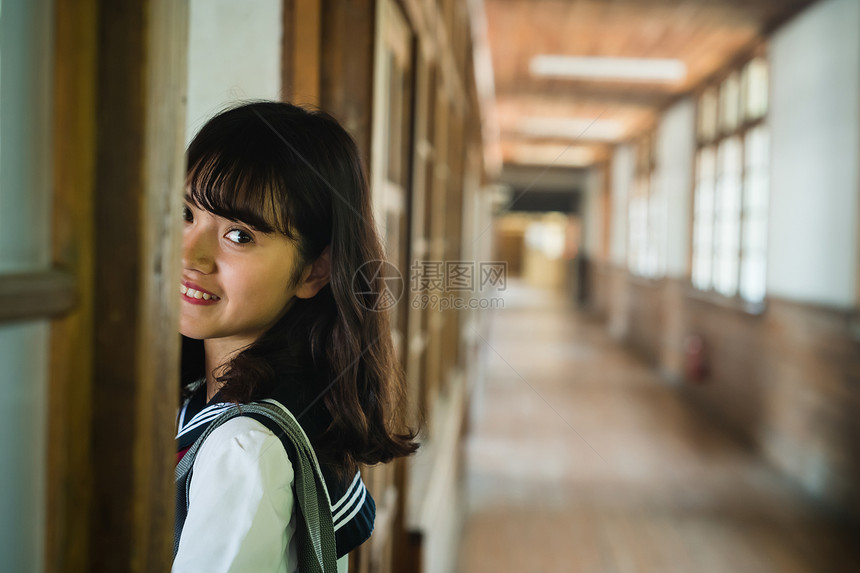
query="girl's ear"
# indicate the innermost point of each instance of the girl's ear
(315, 276)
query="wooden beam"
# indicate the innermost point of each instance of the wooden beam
(36, 295)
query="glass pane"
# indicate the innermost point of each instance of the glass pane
(706, 164)
(703, 222)
(729, 157)
(755, 89)
(702, 272)
(756, 174)
(755, 193)
(727, 206)
(755, 234)
(756, 190)
(757, 147)
(753, 278)
(725, 279)
(703, 252)
(729, 103)
(657, 213)
(705, 232)
(638, 231)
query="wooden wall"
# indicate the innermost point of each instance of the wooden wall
(118, 104)
(784, 381)
(399, 76)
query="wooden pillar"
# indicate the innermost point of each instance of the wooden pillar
(69, 477)
(346, 75)
(327, 61)
(302, 47)
(120, 71)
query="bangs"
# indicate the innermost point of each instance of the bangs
(241, 188)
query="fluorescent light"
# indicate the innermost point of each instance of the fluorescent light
(573, 128)
(615, 69)
(551, 154)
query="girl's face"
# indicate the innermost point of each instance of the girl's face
(235, 279)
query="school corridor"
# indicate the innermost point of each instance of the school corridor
(581, 459)
(623, 272)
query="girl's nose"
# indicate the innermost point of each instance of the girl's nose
(197, 251)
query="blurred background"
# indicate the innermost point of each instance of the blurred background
(625, 282)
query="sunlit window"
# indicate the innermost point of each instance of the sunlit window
(638, 218)
(755, 207)
(754, 89)
(657, 229)
(730, 104)
(703, 220)
(647, 214)
(731, 186)
(727, 209)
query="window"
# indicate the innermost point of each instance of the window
(731, 189)
(647, 211)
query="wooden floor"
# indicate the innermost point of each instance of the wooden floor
(580, 459)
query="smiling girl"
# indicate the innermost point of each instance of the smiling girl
(278, 221)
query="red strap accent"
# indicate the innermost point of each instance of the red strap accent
(181, 453)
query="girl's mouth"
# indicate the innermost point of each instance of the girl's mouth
(195, 296)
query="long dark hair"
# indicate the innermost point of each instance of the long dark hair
(283, 168)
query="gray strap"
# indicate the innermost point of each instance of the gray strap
(317, 547)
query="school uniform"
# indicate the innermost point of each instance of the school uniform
(241, 514)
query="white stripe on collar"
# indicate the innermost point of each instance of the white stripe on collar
(338, 523)
(358, 493)
(206, 414)
(349, 491)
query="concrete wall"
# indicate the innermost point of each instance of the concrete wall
(234, 54)
(815, 143)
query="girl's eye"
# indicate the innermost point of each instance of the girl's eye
(239, 236)
(186, 214)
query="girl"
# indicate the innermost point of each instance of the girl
(278, 221)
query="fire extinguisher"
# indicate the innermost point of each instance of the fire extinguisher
(695, 359)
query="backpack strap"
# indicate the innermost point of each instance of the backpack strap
(316, 551)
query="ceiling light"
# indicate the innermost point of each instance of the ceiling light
(613, 69)
(557, 155)
(573, 128)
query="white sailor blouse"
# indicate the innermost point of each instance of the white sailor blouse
(240, 513)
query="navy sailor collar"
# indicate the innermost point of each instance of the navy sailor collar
(353, 509)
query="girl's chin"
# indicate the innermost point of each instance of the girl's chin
(190, 335)
(189, 331)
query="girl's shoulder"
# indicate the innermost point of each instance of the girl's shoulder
(252, 455)
(246, 449)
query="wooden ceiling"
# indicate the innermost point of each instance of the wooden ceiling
(707, 35)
